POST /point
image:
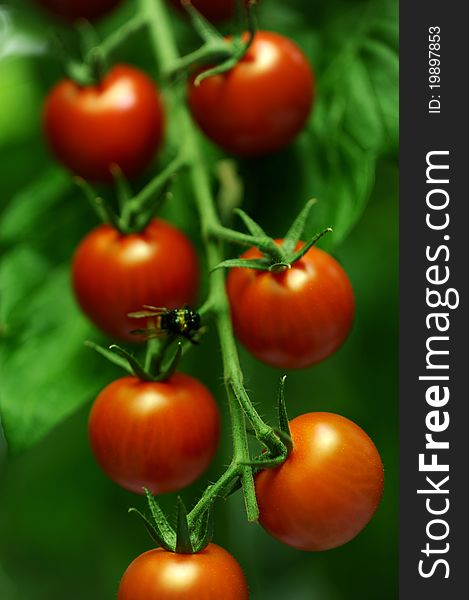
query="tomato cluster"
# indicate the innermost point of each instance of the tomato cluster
(160, 432)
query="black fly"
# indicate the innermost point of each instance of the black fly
(183, 322)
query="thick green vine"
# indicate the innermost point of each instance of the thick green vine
(183, 133)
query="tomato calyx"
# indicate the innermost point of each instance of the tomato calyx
(153, 370)
(222, 54)
(278, 256)
(134, 211)
(269, 459)
(94, 55)
(183, 537)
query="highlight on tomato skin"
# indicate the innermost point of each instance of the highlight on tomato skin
(73, 10)
(327, 490)
(262, 104)
(119, 121)
(294, 319)
(115, 274)
(212, 574)
(158, 435)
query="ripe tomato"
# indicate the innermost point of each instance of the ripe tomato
(72, 10)
(328, 488)
(211, 574)
(261, 104)
(213, 10)
(161, 435)
(115, 274)
(120, 121)
(293, 319)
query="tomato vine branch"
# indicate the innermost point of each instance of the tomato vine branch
(183, 134)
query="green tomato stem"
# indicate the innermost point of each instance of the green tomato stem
(184, 135)
(115, 40)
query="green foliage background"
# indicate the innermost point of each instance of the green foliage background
(64, 528)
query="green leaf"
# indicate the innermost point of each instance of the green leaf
(36, 202)
(46, 372)
(353, 47)
(15, 42)
(356, 116)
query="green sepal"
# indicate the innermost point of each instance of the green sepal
(254, 228)
(134, 364)
(160, 523)
(92, 198)
(111, 356)
(99, 205)
(295, 232)
(143, 219)
(93, 58)
(183, 537)
(148, 201)
(225, 66)
(203, 532)
(286, 439)
(309, 245)
(123, 190)
(80, 73)
(154, 534)
(259, 264)
(282, 409)
(204, 28)
(169, 371)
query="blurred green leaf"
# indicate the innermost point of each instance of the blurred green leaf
(46, 372)
(19, 95)
(358, 92)
(32, 205)
(355, 119)
(15, 42)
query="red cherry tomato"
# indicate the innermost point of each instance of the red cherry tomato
(160, 435)
(212, 574)
(72, 10)
(115, 274)
(213, 10)
(327, 490)
(261, 104)
(120, 121)
(296, 318)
